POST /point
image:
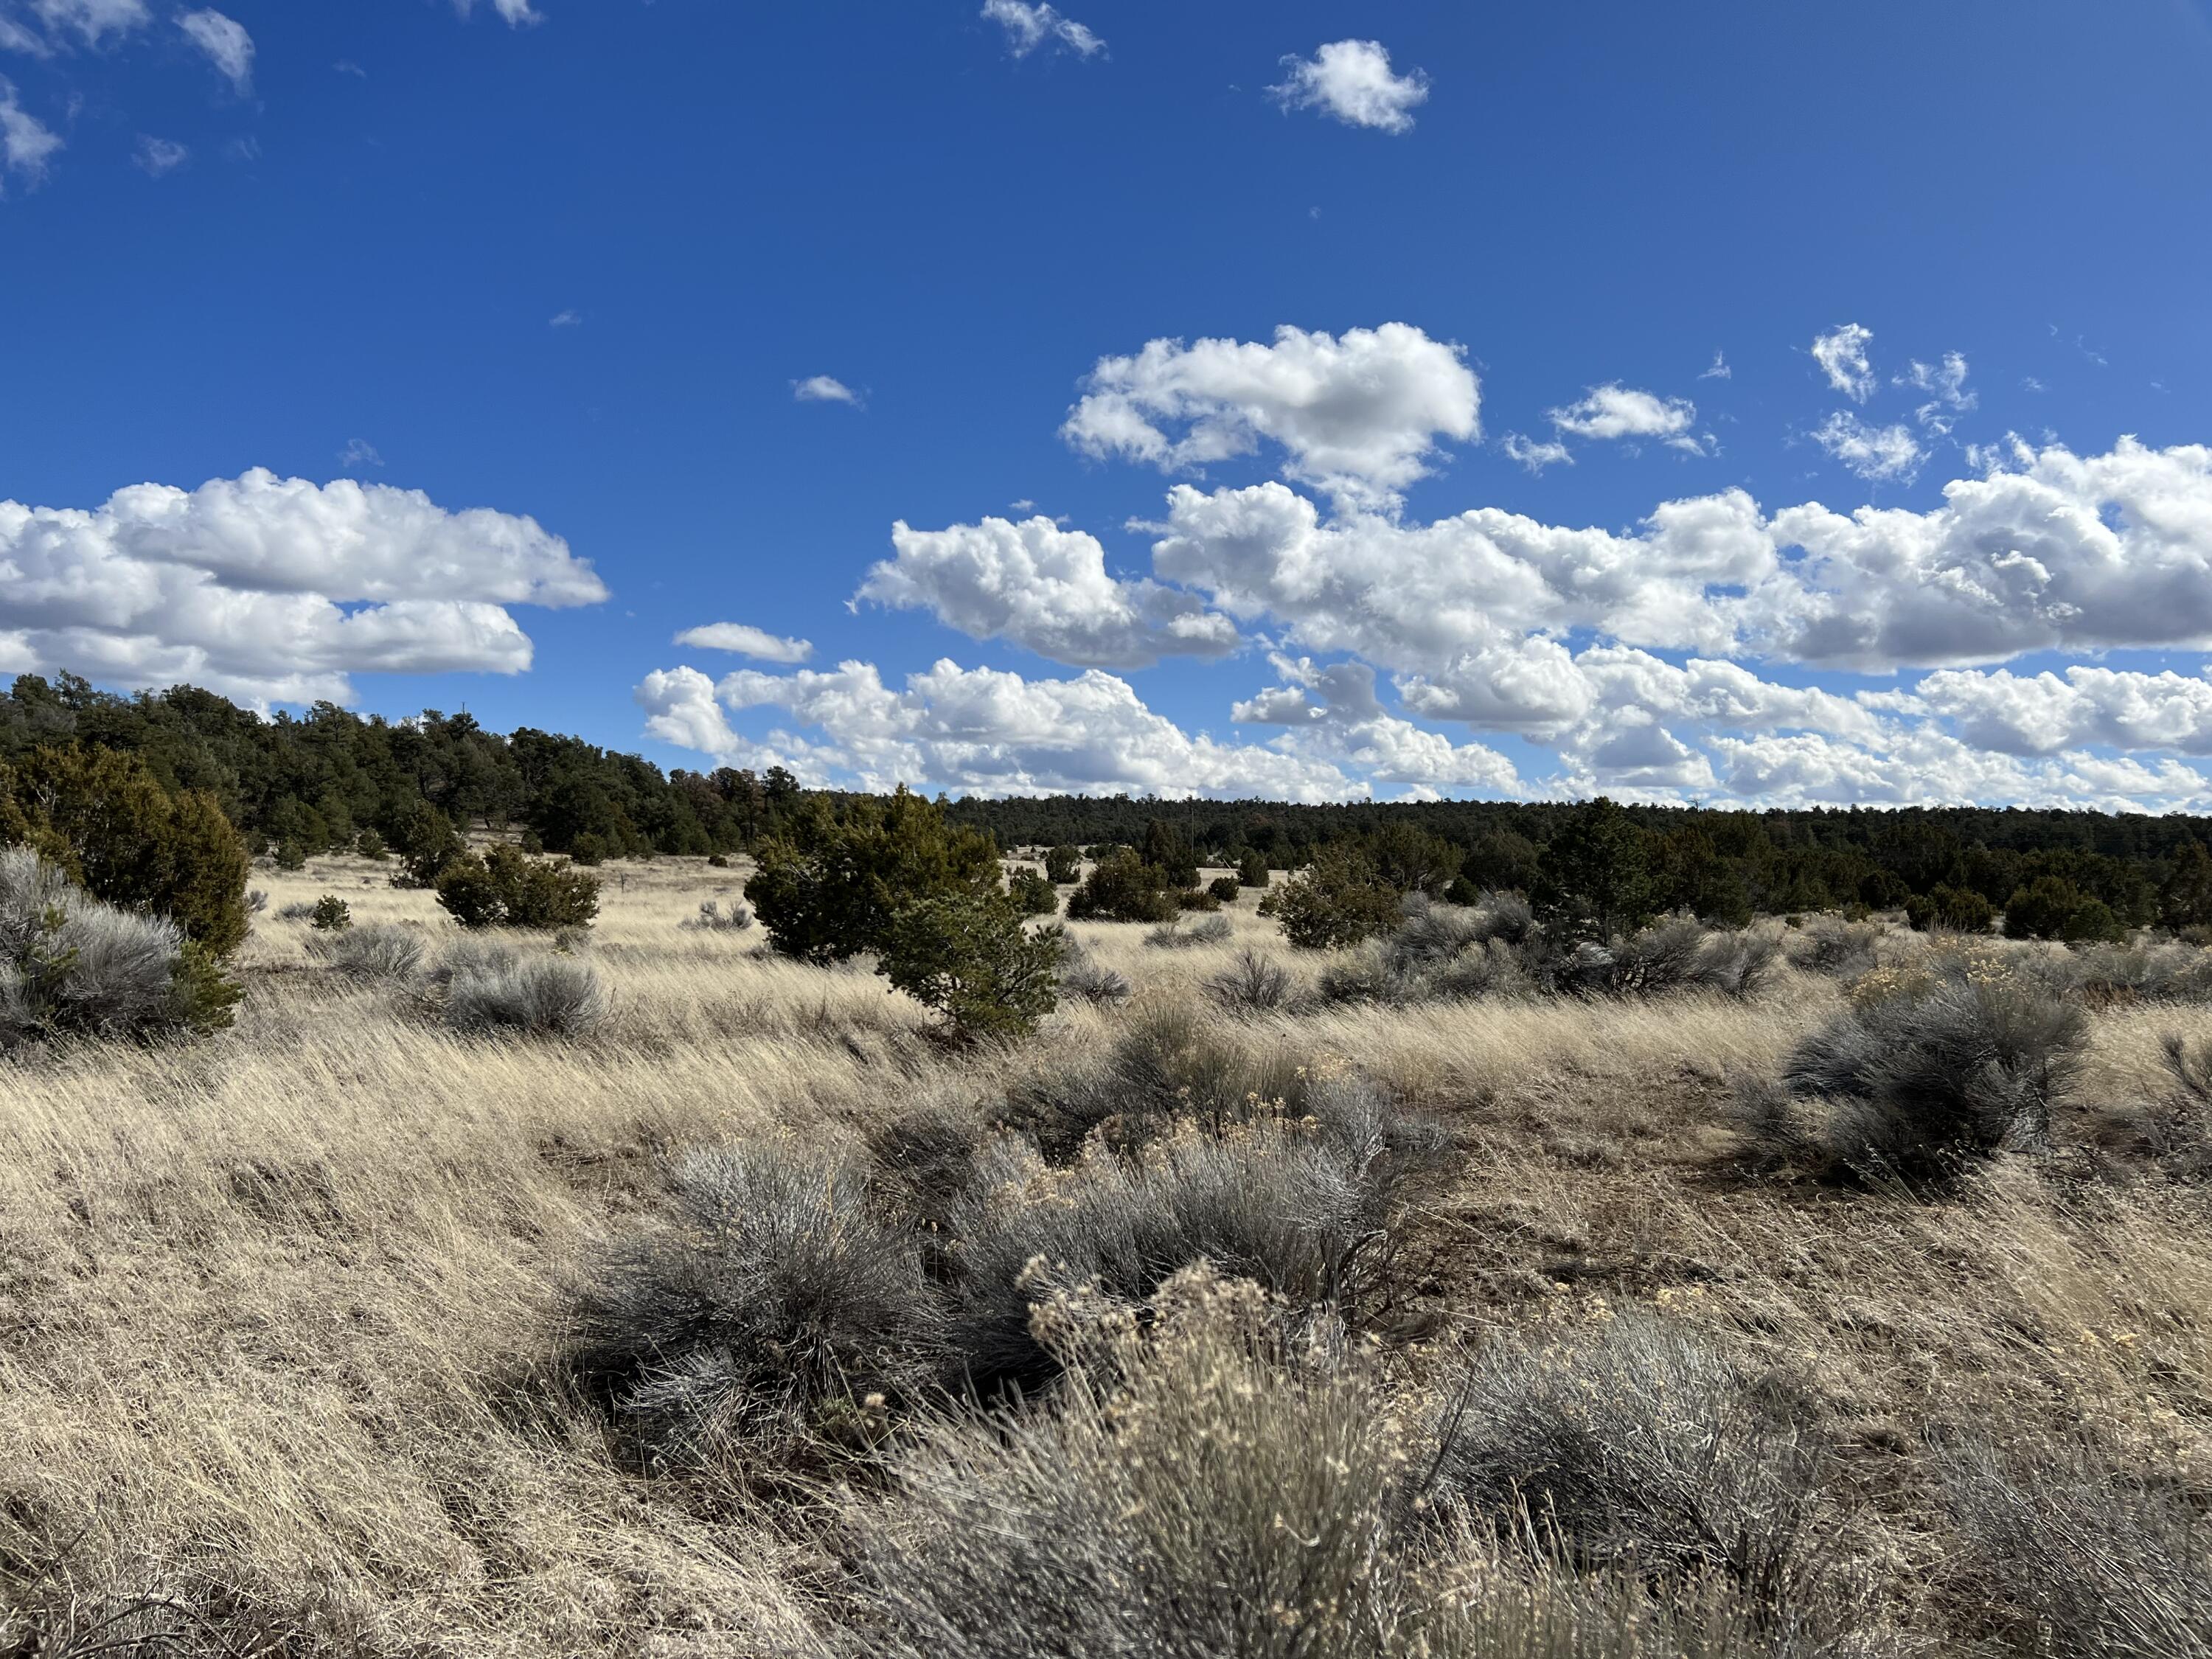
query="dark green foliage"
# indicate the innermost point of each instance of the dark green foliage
(1595, 878)
(2185, 899)
(290, 854)
(1252, 869)
(1339, 899)
(370, 846)
(1408, 860)
(1196, 898)
(1953, 909)
(829, 885)
(2052, 907)
(1122, 887)
(1224, 889)
(112, 827)
(1063, 864)
(506, 889)
(1033, 894)
(332, 914)
(1165, 850)
(967, 956)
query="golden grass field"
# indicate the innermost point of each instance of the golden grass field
(277, 1307)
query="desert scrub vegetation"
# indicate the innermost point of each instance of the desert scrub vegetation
(1931, 1068)
(504, 888)
(539, 995)
(294, 1319)
(71, 966)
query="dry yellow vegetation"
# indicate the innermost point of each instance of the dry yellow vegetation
(279, 1309)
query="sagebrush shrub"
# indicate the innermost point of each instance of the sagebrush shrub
(1278, 1202)
(381, 950)
(2080, 1555)
(538, 995)
(1252, 985)
(1183, 1497)
(1922, 1077)
(714, 918)
(1843, 949)
(2172, 1132)
(1085, 980)
(782, 1293)
(70, 965)
(1208, 930)
(1636, 1444)
(1204, 1484)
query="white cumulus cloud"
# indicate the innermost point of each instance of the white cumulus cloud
(823, 389)
(159, 156)
(513, 13)
(1614, 411)
(1351, 80)
(746, 641)
(227, 44)
(26, 144)
(1535, 454)
(274, 589)
(1028, 25)
(1878, 452)
(1045, 589)
(1841, 356)
(1357, 415)
(976, 730)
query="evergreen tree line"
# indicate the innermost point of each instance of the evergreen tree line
(295, 785)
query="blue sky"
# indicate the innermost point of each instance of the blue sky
(1278, 397)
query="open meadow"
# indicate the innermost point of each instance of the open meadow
(345, 1332)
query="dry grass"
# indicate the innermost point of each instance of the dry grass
(279, 1310)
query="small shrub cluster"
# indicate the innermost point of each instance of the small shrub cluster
(506, 888)
(1252, 985)
(1033, 894)
(111, 827)
(383, 950)
(1223, 889)
(1063, 864)
(1208, 1481)
(1086, 979)
(1442, 953)
(1928, 1071)
(2171, 1131)
(329, 914)
(71, 966)
(1950, 910)
(1122, 887)
(2078, 1554)
(794, 1287)
(1835, 948)
(497, 991)
(968, 957)
(715, 917)
(1212, 930)
(830, 882)
(1341, 898)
